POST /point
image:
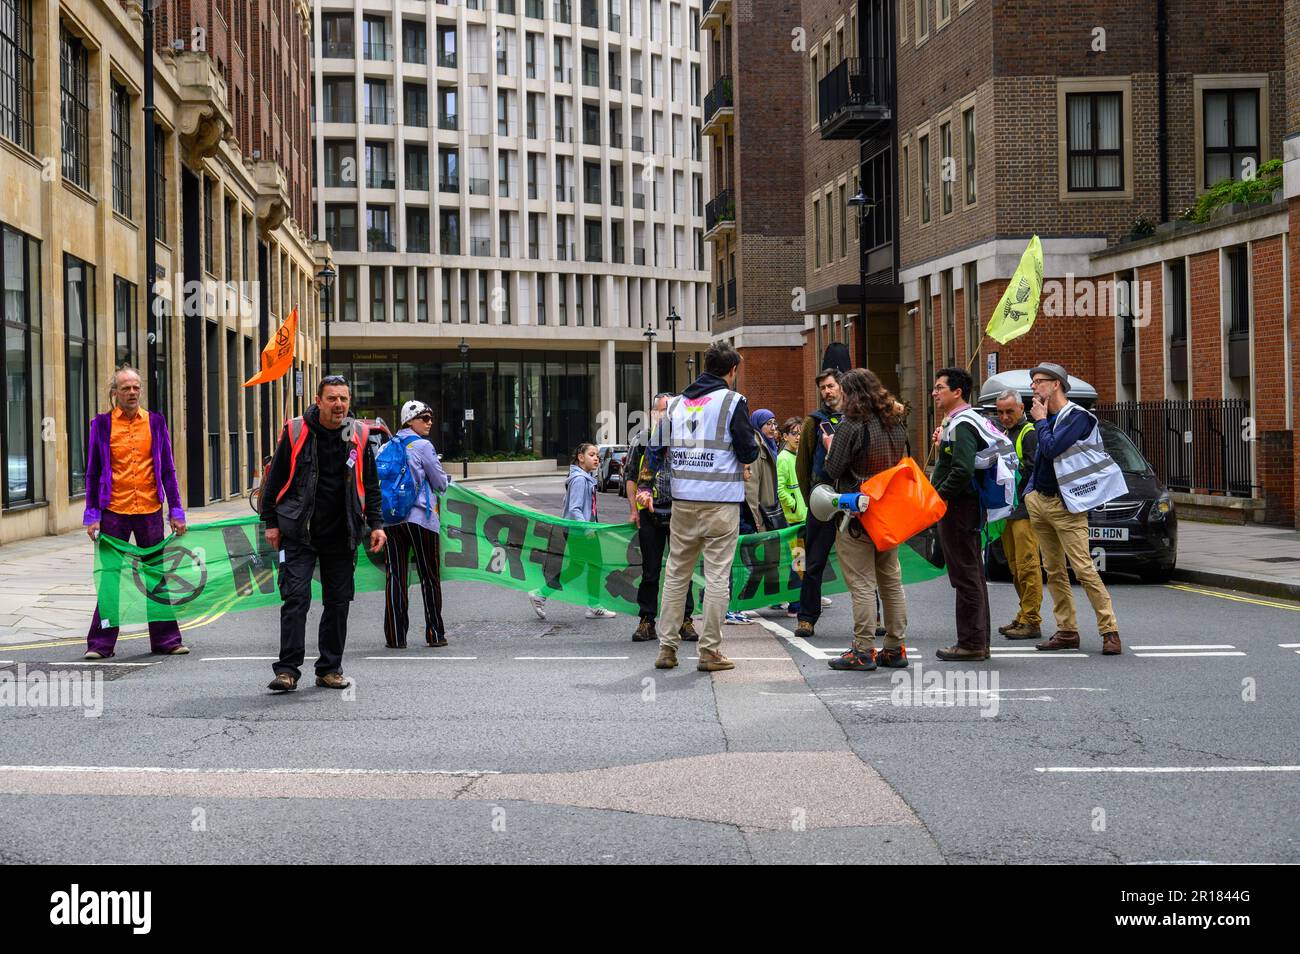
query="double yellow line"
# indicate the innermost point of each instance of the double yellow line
(206, 619)
(1236, 599)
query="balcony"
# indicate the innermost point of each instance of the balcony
(591, 78)
(591, 195)
(535, 9)
(378, 116)
(534, 251)
(563, 193)
(615, 23)
(448, 121)
(638, 143)
(377, 51)
(616, 139)
(506, 6)
(634, 86)
(447, 59)
(593, 253)
(273, 198)
(417, 181)
(591, 137)
(616, 255)
(380, 179)
(615, 81)
(417, 243)
(591, 16)
(853, 99)
(449, 183)
(720, 214)
(449, 243)
(562, 12)
(638, 200)
(337, 50)
(564, 75)
(478, 186)
(719, 107)
(715, 14)
(380, 240)
(205, 119)
(417, 55)
(480, 246)
(338, 114)
(616, 198)
(532, 130)
(532, 190)
(638, 256)
(418, 118)
(566, 253)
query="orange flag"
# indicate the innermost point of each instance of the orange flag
(277, 356)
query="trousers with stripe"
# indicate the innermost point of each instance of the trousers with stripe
(403, 540)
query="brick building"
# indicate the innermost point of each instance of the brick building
(232, 191)
(1062, 138)
(755, 118)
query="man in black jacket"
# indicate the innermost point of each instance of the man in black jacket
(320, 499)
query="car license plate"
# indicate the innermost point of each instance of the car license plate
(1108, 533)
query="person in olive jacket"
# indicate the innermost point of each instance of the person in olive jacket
(320, 500)
(959, 530)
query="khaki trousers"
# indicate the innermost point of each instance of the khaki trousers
(1021, 548)
(1063, 536)
(711, 529)
(867, 569)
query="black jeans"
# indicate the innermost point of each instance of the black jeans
(959, 532)
(818, 538)
(653, 534)
(337, 589)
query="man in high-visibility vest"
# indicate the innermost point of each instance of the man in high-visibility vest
(1018, 540)
(1062, 532)
(707, 439)
(321, 499)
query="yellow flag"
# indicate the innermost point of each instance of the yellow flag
(1018, 308)
(277, 356)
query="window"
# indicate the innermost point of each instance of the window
(927, 346)
(947, 302)
(16, 72)
(830, 228)
(399, 294)
(208, 230)
(348, 292)
(907, 181)
(79, 363)
(1094, 143)
(946, 167)
(878, 189)
(125, 348)
(971, 302)
(377, 292)
(228, 226)
(817, 234)
(74, 72)
(21, 322)
(968, 152)
(925, 179)
(1178, 301)
(1231, 133)
(160, 182)
(922, 19)
(1238, 291)
(844, 218)
(121, 116)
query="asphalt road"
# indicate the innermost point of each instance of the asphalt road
(556, 741)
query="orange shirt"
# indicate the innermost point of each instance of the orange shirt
(135, 489)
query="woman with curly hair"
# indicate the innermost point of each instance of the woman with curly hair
(871, 438)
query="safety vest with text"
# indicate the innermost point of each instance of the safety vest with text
(1088, 476)
(704, 463)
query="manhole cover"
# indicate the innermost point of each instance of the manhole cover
(109, 672)
(490, 630)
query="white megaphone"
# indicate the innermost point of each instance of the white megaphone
(825, 503)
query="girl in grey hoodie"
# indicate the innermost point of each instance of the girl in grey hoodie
(579, 504)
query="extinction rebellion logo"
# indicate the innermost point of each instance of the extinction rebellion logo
(181, 576)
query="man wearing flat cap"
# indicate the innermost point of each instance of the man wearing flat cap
(1064, 430)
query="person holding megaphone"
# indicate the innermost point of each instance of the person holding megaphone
(871, 438)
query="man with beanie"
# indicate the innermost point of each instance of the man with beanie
(1062, 427)
(320, 500)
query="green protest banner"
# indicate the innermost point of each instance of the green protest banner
(227, 566)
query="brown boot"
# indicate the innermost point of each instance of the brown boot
(1011, 625)
(713, 662)
(1023, 631)
(688, 632)
(332, 680)
(667, 658)
(645, 630)
(283, 682)
(804, 629)
(1061, 639)
(1110, 644)
(962, 654)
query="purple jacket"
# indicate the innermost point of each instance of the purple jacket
(99, 471)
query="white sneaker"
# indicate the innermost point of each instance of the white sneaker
(738, 619)
(539, 605)
(826, 601)
(93, 655)
(597, 612)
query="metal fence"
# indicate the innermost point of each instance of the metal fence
(1194, 446)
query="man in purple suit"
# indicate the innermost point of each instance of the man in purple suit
(129, 470)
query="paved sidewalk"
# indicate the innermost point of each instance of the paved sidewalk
(1264, 560)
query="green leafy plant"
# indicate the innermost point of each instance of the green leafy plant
(1256, 191)
(1143, 227)
(499, 458)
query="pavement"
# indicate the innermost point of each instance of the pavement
(556, 741)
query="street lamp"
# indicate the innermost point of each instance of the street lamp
(464, 396)
(650, 335)
(672, 320)
(690, 368)
(327, 276)
(864, 206)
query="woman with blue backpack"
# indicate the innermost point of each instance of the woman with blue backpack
(409, 477)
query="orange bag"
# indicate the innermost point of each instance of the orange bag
(903, 503)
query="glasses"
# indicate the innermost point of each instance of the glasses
(770, 424)
(427, 418)
(1042, 380)
(334, 379)
(939, 387)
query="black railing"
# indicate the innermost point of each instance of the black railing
(338, 114)
(379, 179)
(719, 97)
(337, 49)
(417, 181)
(378, 240)
(377, 51)
(379, 116)
(1193, 446)
(858, 82)
(416, 117)
(415, 54)
(342, 239)
(721, 209)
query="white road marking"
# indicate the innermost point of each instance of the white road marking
(755, 658)
(237, 658)
(517, 490)
(1036, 655)
(407, 658)
(5, 662)
(1189, 646)
(797, 641)
(1163, 769)
(1180, 655)
(168, 770)
(535, 658)
(105, 662)
(1288, 645)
